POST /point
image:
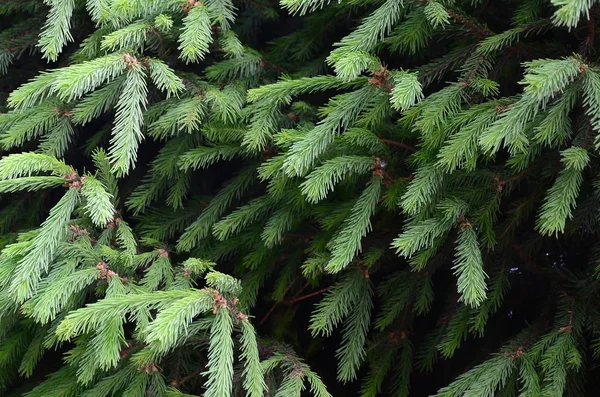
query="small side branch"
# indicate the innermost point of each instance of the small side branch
(399, 144)
(300, 298)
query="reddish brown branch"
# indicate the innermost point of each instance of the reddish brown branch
(294, 299)
(473, 72)
(254, 3)
(399, 144)
(306, 285)
(271, 64)
(272, 309)
(518, 176)
(587, 46)
(515, 219)
(190, 376)
(175, 381)
(529, 265)
(161, 47)
(300, 298)
(569, 326)
(468, 23)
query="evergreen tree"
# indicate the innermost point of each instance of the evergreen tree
(228, 198)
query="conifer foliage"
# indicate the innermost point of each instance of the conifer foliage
(227, 198)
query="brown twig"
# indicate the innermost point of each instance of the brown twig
(473, 72)
(272, 309)
(591, 28)
(515, 219)
(276, 67)
(482, 8)
(175, 381)
(130, 347)
(464, 53)
(569, 326)
(294, 299)
(300, 298)
(465, 21)
(161, 46)
(399, 144)
(254, 3)
(518, 176)
(190, 376)
(587, 46)
(529, 264)
(306, 285)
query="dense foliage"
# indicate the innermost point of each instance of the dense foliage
(299, 197)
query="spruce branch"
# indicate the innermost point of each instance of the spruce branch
(57, 29)
(347, 241)
(127, 130)
(196, 35)
(562, 195)
(468, 266)
(569, 12)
